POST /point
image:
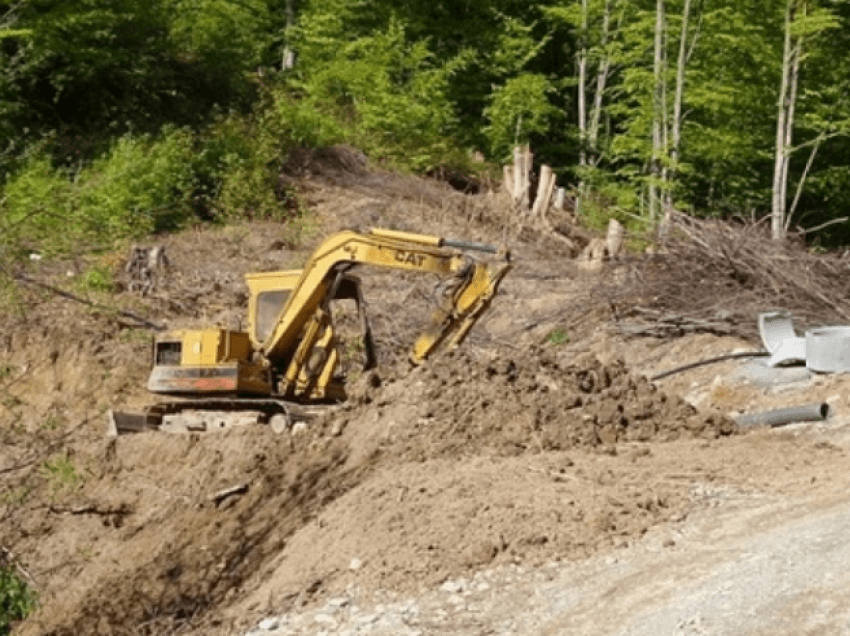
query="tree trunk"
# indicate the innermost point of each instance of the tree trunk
(582, 85)
(601, 81)
(657, 115)
(582, 103)
(784, 127)
(288, 55)
(676, 123)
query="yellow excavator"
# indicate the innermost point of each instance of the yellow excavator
(290, 354)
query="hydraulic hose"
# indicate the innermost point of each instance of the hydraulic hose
(699, 363)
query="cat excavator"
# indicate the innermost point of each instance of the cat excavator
(290, 355)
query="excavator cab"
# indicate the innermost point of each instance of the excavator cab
(224, 362)
(307, 370)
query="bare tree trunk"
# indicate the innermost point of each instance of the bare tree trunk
(582, 85)
(784, 127)
(601, 81)
(676, 123)
(796, 53)
(665, 119)
(582, 103)
(657, 115)
(288, 56)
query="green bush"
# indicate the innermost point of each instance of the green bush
(379, 92)
(17, 599)
(305, 122)
(34, 209)
(236, 168)
(98, 278)
(518, 109)
(141, 185)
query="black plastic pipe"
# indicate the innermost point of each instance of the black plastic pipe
(814, 412)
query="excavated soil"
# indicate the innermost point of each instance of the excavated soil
(539, 441)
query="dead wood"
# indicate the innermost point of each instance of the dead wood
(717, 276)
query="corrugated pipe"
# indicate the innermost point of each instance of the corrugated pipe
(814, 412)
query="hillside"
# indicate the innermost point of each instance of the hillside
(537, 448)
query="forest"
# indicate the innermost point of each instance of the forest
(123, 117)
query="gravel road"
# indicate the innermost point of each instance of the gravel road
(746, 564)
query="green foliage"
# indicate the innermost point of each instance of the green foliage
(558, 336)
(307, 122)
(236, 169)
(606, 199)
(97, 279)
(380, 92)
(518, 109)
(227, 37)
(141, 185)
(16, 497)
(62, 475)
(17, 599)
(87, 89)
(97, 69)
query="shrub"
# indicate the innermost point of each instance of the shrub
(518, 109)
(236, 168)
(379, 92)
(141, 185)
(17, 599)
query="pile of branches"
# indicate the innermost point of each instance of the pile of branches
(719, 275)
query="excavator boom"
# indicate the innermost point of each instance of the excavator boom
(382, 248)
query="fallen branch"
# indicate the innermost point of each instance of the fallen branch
(91, 509)
(703, 264)
(221, 495)
(23, 278)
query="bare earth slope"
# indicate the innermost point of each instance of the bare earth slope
(523, 484)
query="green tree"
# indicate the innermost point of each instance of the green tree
(91, 70)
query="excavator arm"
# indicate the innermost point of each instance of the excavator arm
(477, 283)
(304, 317)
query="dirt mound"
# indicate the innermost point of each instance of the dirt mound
(474, 461)
(169, 526)
(509, 404)
(421, 478)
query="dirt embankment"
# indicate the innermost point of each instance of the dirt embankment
(417, 478)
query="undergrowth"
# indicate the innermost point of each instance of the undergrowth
(17, 599)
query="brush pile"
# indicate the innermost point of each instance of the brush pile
(711, 275)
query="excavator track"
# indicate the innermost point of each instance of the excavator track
(208, 414)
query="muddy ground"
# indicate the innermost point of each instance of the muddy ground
(539, 444)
